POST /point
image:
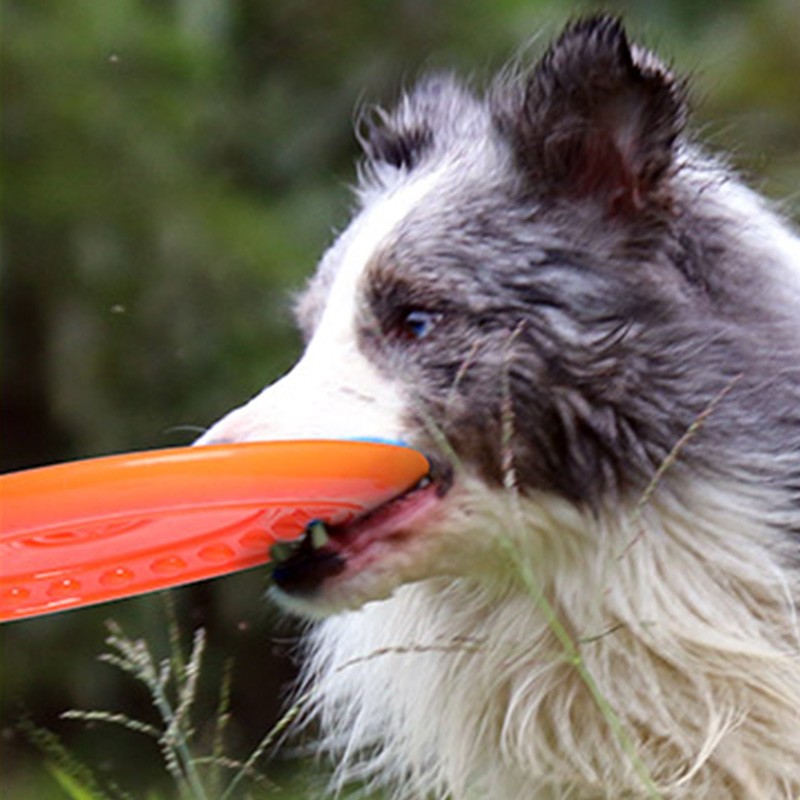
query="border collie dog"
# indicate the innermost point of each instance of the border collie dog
(593, 331)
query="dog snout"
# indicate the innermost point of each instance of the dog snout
(311, 404)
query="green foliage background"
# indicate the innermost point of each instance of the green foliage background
(173, 169)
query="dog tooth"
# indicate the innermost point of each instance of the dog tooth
(318, 533)
(282, 551)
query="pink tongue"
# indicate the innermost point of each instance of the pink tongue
(395, 517)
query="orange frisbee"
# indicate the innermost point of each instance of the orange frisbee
(89, 531)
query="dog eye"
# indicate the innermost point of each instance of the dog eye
(417, 324)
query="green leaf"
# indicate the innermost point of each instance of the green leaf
(72, 786)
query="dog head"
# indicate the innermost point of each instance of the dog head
(544, 288)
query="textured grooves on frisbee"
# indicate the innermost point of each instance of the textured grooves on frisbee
(235, 542)
(84, 533)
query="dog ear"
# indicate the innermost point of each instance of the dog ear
(404, 136)
(387, 140)
(596, 118)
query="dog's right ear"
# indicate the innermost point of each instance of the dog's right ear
(386, 140)
(596, 119)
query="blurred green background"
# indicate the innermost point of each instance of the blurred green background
(173, 169)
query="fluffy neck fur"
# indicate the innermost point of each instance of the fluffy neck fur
(682, 617)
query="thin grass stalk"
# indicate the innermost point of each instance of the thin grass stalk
(575, 659)
(115, 719)
(670, 459)
(277, 729)
(63, 759)
(522, 566)
(222, 719)
(174, 635)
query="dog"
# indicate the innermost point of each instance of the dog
(592, 329)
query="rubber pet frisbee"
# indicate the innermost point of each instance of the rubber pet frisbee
(90, 531)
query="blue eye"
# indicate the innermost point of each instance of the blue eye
(418, 324)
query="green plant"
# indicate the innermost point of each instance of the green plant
(172, 683)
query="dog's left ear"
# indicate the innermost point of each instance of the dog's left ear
(596, 119)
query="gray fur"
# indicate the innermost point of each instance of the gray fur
(629, 321)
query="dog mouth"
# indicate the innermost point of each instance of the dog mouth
(325, 551)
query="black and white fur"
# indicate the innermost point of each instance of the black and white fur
(593, 329)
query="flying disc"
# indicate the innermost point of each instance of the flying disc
(89, 531)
